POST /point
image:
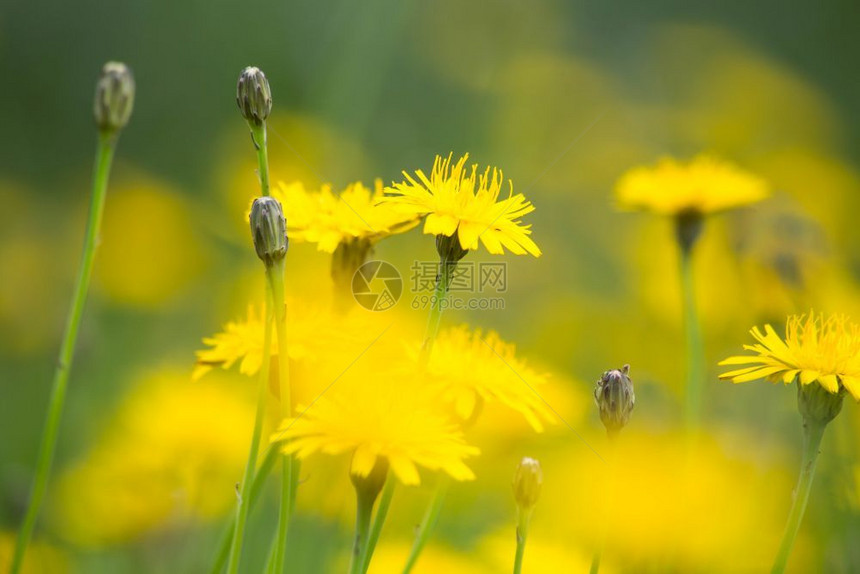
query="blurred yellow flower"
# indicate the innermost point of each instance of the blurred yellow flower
(434, 559)
(170, 456)
(815, 349)
(465, 204)
(472, 367)
(312, 332)
(376, 415)
(702, 186)
(328, 219)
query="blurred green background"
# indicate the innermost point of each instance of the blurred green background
(563, 96)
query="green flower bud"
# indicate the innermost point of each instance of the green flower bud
(114, 97)
(449, 249)
(254, 96)
(615, 399)
(818, 405)
(269, 229)
(527, 483)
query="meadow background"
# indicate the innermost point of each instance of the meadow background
(565, 97)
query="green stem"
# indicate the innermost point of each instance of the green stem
(269, 458)
(258, 136)
(248, 480)
(363, 511)
(428, 523)
(607, 502)
(101, 172)
(437, 306)
(378, 521)
(522, 532)
(695, 359)
(812, 435)
(275, 275)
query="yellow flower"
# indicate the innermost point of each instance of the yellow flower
(815, 349)
(312, 332)
(375, 416)
(471, 368)
(702, 186)
(457, 202)
(328, 219)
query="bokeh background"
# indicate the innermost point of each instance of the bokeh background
(564, 96)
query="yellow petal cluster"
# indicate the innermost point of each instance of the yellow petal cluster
(701, 186)
(466, 202)
(816, 349)
(328, 219)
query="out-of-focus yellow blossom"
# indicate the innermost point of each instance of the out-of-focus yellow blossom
(373, 415)
(171, 455)
(666, 491)
(542, 556)
(149, 250)
(434, 559)
(39, 559)
(702, 186)
(313, 332)
(328, 219)
(816, 349)
(465, 203)
(471, 368)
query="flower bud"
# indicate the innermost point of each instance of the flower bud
(254, 96)
(615, 399)
(818, 405)
(527, 483)
(269, 229)
(449, 249)
(114, 97)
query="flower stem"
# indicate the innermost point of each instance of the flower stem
(695, 359)
(378, 521)
(363, 512)
(258, 137)
(437, 305)
(248, 480)
(812, 435)
(428, 523)
(522, 532)
(101, 172)
(275, 275)
(607, 502)
(269, 458)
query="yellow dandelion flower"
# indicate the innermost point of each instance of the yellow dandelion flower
(376, 416)
(815, 350)
(312, 332)
(471, 368)
(457, 201)
(329, 219)
(702, 186)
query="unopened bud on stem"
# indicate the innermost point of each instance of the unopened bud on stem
(269, 229)
(615, 399)
(114, 98)
(527, 484)
(254, 96)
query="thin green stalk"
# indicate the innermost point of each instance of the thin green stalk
(363, 512)
(695, 358)
(271, 455)
(437, 306)
(275, 275)
(378, 521)
(428, 523)
(101, 172)
(812, 435)
(248, 480)
(522, 533)
(258, 136)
